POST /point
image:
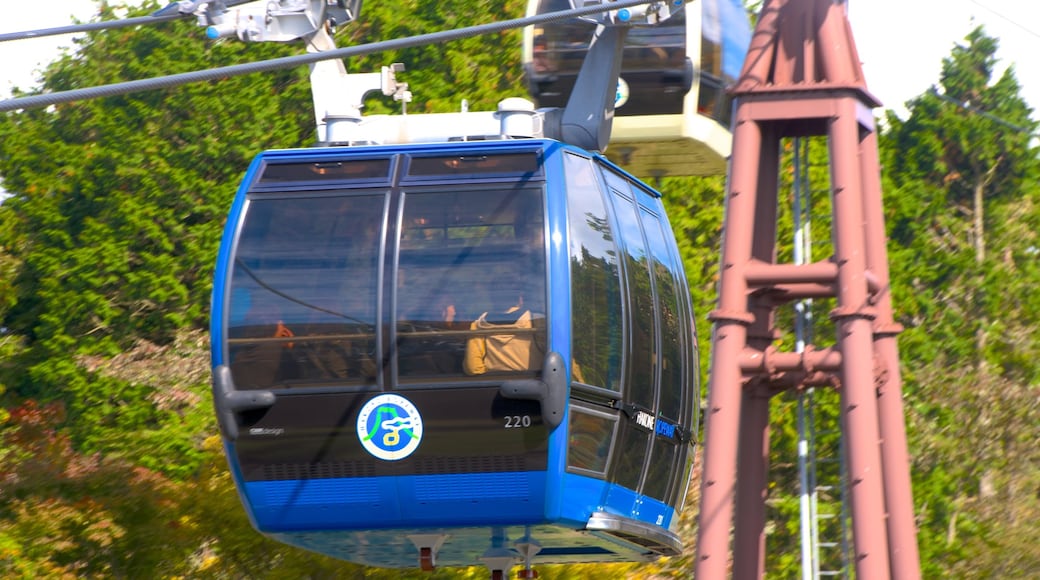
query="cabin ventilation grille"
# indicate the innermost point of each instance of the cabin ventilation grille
(374, 468)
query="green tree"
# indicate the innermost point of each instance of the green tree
(960, 182)
(106, 247)
(111, 230)
(67, 514)
(969, 146)
(481, 69)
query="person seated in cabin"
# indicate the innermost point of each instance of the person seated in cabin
(315, 346)
(264, 361)
(342, 332)
(510, 351)
(424, 345)
(324, 353)
(448, 311)
(421, 305)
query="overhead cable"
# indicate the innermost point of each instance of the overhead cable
(973, 109)
(1006, 18)
(103, 25)
(88, 27)
(47, 99)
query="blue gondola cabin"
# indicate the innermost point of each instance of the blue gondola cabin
(454, 350)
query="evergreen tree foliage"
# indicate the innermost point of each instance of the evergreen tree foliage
(695, 211)
(961, 175)
(111, 230)
(481, 69)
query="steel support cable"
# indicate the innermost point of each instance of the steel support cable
(47, 99)
(103, 25)
(972, 109)
(90, 26)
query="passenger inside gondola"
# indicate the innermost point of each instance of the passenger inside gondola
(263, 361)
(427, 316)
(512, 346)
(298, 317)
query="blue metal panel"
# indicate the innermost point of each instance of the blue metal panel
(655, 512)
(582, 496)
(299, 505)
(622, 501)
(560, 314)
(321, 503)
(471, 499)
(625, 502)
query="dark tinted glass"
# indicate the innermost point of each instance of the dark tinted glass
(725, 35)
(643, 348)
(661, 470)
(471, 277)
(302, 302)
(369, 169)
(560, 47)
(508, 164)
(654, 64)
(672, 361)
(630, 456)
(596, 319)
(591, 435)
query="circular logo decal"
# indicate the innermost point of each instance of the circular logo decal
(389, 427)
(621, 96)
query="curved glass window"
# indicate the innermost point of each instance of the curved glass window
(643, 349)
(655, 66)
(560, 47)
(470, 282)
(596, 318)
(662, 470)
(302, 302)
(672, 362)
(452, 288)
(630, 455)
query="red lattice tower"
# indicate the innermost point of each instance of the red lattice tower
(802, 77)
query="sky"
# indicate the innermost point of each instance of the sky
(901, 43)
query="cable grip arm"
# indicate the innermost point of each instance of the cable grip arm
(268, 20)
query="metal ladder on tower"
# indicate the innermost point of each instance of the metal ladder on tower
(823, 507)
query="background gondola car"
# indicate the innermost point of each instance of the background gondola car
(355, 292)
(672, 115)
